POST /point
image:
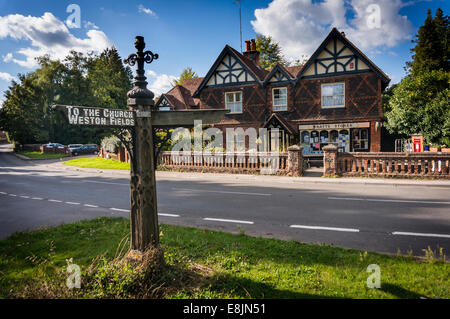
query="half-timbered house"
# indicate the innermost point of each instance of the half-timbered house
(334, 98)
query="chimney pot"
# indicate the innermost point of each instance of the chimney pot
(247, 45)
(253, 45)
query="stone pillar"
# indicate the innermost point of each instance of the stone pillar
(295, 161)
(330, 160)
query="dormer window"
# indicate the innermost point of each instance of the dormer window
(279, 99)
(333, 95)
(233, 101)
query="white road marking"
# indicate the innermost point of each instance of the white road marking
(229, 221)
(351, 230)
(37, 198)
(389, 200)
(3, 193)
(55, 201)
(13, 195)
(168, 215)
(221, 192)
(26, 197)
(72, 203)
(88, 205)
(110, 183)
(420, 234)
(120, 210)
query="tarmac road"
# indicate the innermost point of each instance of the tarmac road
(373, 215)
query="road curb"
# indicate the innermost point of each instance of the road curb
(306, 180)
(22, 157)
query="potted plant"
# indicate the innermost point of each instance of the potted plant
(446, 145)
(445, 149)
(435, 148)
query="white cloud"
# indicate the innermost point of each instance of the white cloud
(143, 9)
(159, 83)
(90, 25)
(301, 25)
(7, 77)
(8, 57)
(48, 35)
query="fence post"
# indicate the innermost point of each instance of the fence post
(295, 161)
(330, 160)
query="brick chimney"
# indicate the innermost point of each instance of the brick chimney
(250, 51)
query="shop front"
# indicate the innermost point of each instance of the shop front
(348, 137)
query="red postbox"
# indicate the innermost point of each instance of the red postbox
(417, 141)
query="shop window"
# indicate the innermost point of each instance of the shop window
(334, 137)
(305, 142)
(333, 95)
(360, 140)
(324, 137)
(314, 142)
(344, 141)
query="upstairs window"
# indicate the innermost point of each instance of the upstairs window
(333, 95)
(233, 101)
(279, 99)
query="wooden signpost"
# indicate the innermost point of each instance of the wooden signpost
(140, 119)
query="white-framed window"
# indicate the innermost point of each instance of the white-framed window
(279, 99)
(333, 95)
(233, 102)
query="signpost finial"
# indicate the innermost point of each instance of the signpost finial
(139, 94)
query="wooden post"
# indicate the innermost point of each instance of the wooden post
(143, 208)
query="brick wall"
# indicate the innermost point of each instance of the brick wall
(362, 97)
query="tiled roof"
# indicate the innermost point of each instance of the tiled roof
(294, 70)
(282, 121)
(180, 96)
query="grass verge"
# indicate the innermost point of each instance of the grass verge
(205, 264)
(39, 155)
(98, 162)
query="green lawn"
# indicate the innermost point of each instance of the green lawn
(207, 264)
(39, 155)
(98, 162)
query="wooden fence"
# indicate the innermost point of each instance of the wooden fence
(225, 162)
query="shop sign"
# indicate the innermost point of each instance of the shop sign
(332, 126)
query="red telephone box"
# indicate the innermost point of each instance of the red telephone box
(417, 141)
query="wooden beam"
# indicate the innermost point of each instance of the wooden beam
(186, 118)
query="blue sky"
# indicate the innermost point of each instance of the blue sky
(192, 33)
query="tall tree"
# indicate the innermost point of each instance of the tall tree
(22, 112)
(187, 73)
(109, 80)
(431, 45)
(421, 104)
(269, 52)
(77, 80)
